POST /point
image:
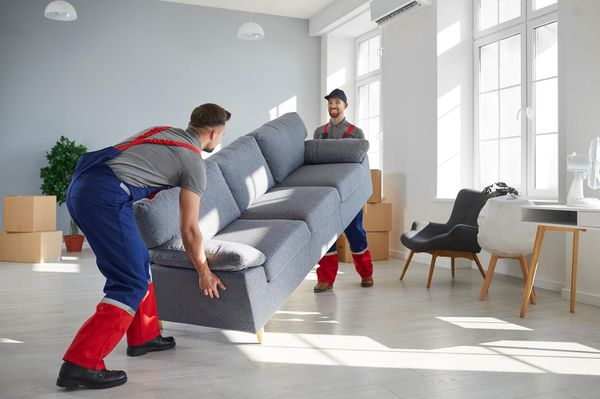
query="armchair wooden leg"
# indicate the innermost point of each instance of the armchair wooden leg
(476, 259)
(260, 335)
(488, 277)
(406, 264)
(523, 263)
(433, 257)
(452, 265)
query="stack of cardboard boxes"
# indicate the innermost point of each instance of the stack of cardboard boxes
(30, 230)
(377, 222)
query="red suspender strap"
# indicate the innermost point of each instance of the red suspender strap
(349, 130)
(325, 130)
(142, 140)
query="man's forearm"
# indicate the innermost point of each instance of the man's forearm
(194, 247)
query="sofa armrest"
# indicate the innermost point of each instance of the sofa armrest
(335, 151)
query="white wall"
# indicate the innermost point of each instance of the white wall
(579, 103)
(339, 72)
(409, 95)
(455, 96)
(125, 65)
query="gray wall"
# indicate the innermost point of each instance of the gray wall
(125, 65)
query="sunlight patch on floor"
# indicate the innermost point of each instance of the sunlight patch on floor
(56, 267)
(483, 323)
(361, 351)
(9, 341)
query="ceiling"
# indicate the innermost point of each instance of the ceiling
(285, 8)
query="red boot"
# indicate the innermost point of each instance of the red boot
(326, 272)
(364, 267)
(98, 336)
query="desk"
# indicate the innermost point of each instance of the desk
(556, 218)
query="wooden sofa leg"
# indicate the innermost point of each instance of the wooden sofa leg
(452, 264)
(260, 335)
(406, 264)
(433, 257)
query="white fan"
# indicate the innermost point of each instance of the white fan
(584, 167)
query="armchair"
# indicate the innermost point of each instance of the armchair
(457, 238)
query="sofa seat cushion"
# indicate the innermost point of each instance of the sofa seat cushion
(345, 177)
(279, 240)
(221, 255)
(158, 218)
(313, 205)
(282, 143)
(245, 170)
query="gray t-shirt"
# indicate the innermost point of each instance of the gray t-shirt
(156, 165)
(338, 131)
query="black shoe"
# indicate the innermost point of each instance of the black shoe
(72, 376)
(157, 344)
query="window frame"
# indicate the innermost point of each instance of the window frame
(366, 37)
(493, 38)
(368, 78)
(524, 26)
(502, 26)
(532, 24)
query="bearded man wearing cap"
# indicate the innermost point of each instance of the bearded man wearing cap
(339, 128)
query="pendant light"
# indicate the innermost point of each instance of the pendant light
(251, 31)
(60, 10)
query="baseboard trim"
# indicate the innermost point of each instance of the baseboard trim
(582, 297)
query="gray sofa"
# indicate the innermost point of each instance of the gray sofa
(273, 206)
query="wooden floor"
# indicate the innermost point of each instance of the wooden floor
(395, 340)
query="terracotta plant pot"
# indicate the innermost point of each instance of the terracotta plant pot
(74, 243)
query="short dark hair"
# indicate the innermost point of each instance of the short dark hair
(209, 115)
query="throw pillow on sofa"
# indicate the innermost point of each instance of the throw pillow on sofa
(221, 255)
(335, 151)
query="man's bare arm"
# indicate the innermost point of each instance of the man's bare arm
(189, 209)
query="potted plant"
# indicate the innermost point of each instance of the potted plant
(62, 159)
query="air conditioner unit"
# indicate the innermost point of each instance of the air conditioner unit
(384, 10)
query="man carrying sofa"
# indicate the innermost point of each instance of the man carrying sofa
(339, 128)
(100, 199)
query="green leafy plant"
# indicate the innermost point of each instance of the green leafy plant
(62, 159)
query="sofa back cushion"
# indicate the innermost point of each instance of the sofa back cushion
(282, 144)
(245, 170)
(158, 218)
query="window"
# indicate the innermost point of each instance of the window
(368, 94)
(516, 96)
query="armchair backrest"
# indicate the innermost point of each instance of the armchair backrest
(467, 206)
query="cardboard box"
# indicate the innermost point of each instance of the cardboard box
(28, 214)
(377, 217)
(35, 247)
(379, 246)
(375, 198)
(343, 250)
